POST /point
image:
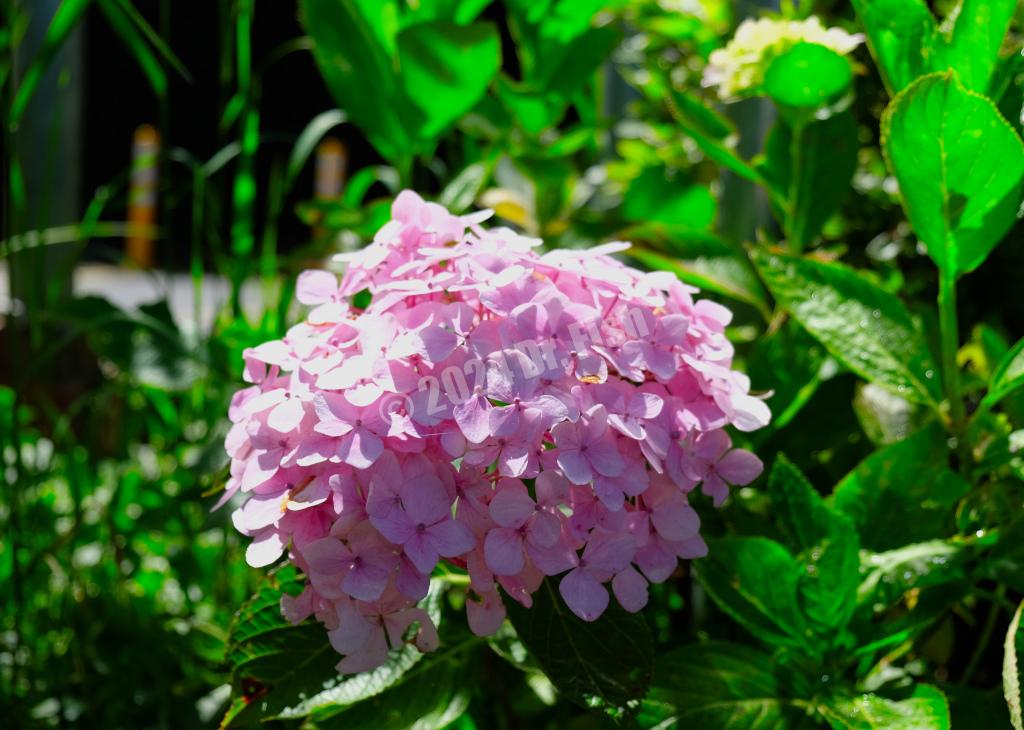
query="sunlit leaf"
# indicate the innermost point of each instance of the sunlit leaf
(960, 167)
(866, 328)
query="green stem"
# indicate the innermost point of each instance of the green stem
(986, 636)
(794, 237)
(949, 332)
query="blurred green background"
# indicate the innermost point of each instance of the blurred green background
(134, 280)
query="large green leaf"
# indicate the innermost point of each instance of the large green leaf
(960, 167)
(865, 328)
(605, 664)
(445, 70)
(721, 685)
(350, 45)
(403, 86)
(1008, 375)
(281, 670)
(757, 582)
(272, 662)
(807, 75)
(810, 168)
(908, 477)
(826, 544)
(656, 197)
(925, 709)
(1012, 670)
(907, 43)
(429, 696)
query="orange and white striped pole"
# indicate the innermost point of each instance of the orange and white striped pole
(142, 196)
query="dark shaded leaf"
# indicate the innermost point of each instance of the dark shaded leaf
(605, 664)
(721, 685)
(909, 477)
(757, 582)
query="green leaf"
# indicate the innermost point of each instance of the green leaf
(757, 582)
(126, 30)
(960, 168)
(810, 168)
(925, 709)
(864, 327)
(428, 696)
(353, 49)
(1007, 377)
(274, 663)
(281, 670)
(825, 543)
(464, 188)
(457, 11)
(64, 21)
(919, 566)
(908, 477)
(445, 71)
(1012, 670)
(653, 196)
(712, 133)
(606, 663)
(721, 685)
(583, 56)
(907, 44)
(807, 75)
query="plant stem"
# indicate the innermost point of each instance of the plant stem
(986, 636)
(949, 332)
(794, 238)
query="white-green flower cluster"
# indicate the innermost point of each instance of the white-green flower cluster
(741, 65)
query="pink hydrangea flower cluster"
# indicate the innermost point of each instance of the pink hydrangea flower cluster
(515, 414)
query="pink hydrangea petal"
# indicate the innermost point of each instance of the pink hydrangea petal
(370, 655)
(605, 458)
(630, 590)
(675, 520)
(360, 448)
(365, 581)
(327, 556)
(503, 551)
(265, 549)
(714, 487)
(739, 467)
(419, 548)
(410, 582)
(315, 286)
(587, 598)
(287, 415)
(511, 506)
(575, 467)
(451, 538)
(486, 615)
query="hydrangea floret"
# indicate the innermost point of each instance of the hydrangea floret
(511, 414)
(739, 68)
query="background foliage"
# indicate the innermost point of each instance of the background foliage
(863, 225)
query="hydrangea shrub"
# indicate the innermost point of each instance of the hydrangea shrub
(460, 398)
